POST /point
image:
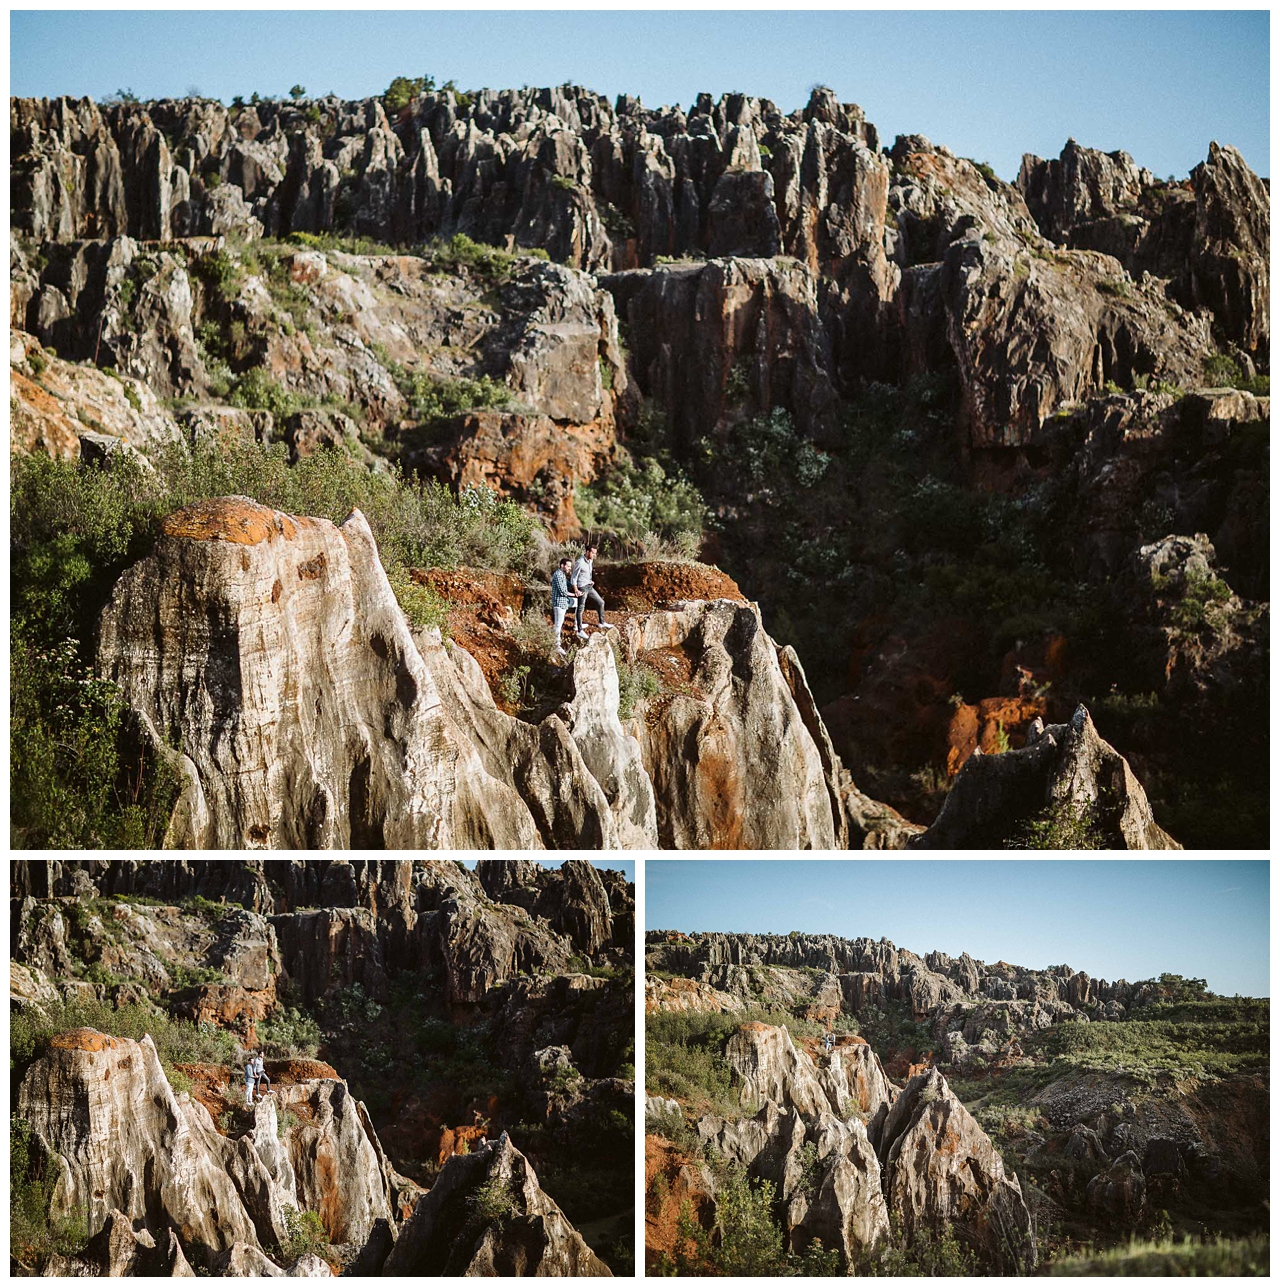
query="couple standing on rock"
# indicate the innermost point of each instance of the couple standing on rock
(255, 1073)
(575, 589)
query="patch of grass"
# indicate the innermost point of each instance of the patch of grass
(186, 976)
(1185, 1042)
(1166, 1258)
(37, 362)
(348, 244)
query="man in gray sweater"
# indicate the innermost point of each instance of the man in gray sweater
(581, 581)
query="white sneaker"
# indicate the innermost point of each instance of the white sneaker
(581, 634)
(561, 651)
(607, 625)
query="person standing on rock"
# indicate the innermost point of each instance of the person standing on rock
(582, 581)
(563, 597)
(250, 1079)
(260, 1073)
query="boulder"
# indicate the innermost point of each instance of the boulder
(942, 1172)
(487, 1215)
(1068, 766)
(354, 748)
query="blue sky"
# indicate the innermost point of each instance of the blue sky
(989, 85)
(1112, 918)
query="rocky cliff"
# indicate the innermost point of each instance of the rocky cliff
(469, 1010)
(765, 1068)
(967, 405)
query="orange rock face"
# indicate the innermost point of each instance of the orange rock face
(989, 724)
(664, 1201)
(642, 587)
(229, 518)
(83, 1039)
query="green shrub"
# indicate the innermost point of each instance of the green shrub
(79, 776)
(33, 1234)
(1062, 825)
(285, 1122)
(257, 391)
(421, 605)
(564, 183)
(291, 1034)
(433, 401)
(460, 252)
(305, 1233)
(493, 1202)
(639, 498)
(636, 683)
(403, 90)
(37, 362)
(927, 1255)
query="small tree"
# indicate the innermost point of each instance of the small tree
(126, 96)
(297, 92)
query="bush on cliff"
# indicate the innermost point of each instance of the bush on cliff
(177, 1041)
(78, 776)
(33, 1234)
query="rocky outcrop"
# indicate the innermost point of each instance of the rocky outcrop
(730, 758)
(1067, 766)
(377, 736)
(974, 1009)
(124, 1142)
(942, 1172)
(355, 748)
(718, 342)
(1209, 237)
(487, 1215)
(845, 1150)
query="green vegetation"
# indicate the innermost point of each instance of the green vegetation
(928, 1255)
(80, 774)
(685, 1055)
(1222, 371)
(745, 1241)
(305, 1234)
(636, 683)
(1187, 1039)
(404, 89)
(434, 402)
(183, 976)
(290, 1034)
(639, 500)
(1167, 1258)
(1062, 825)
(493, 1202)
(347, 244)
(34, 1234)
(176, 1040)
(422, 606)
(461, 253)
(37, 362)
